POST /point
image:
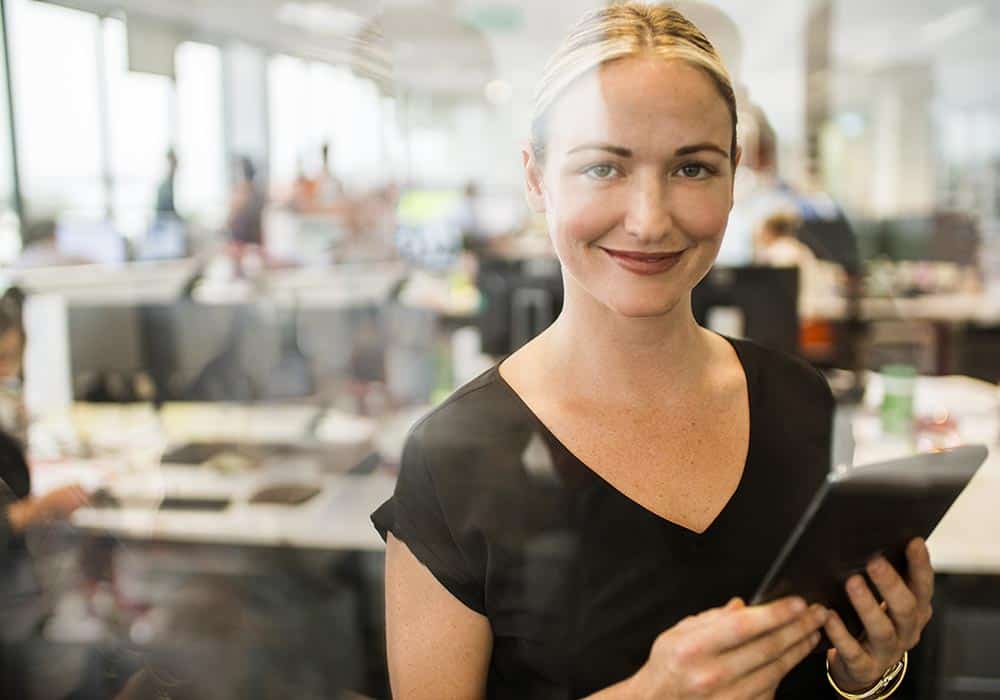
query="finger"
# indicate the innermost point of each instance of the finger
(921, 573)
(707, 616)
(739, 626)
(769, 647)
(765, 679)
(879, 628)
(901, 602)
(845, 645)
(78, 495)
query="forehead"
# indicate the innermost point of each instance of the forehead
(647, 104)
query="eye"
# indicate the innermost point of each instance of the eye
(601, 171)
(695, 171)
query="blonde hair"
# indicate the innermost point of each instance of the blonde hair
(783, 224)
(621, 31)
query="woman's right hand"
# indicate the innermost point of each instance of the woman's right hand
(730, 653)
(55, 505)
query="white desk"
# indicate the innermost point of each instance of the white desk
(335, 519)
(967, 540)
(982, 309)
(341, 286)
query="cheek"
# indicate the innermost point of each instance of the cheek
(703, 218)
(578, 217)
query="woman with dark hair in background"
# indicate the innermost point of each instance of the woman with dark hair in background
(22, 603)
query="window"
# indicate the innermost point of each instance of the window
(313, 104)
(10, 242)
(139, 106)
(290, 142)
(200, 187)
(61, 158)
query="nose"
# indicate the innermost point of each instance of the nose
(648, 218)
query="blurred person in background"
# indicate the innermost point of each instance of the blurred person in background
(758, 192)
(303, 191)
(27, 668)
(13, 414)
(467, 218)
(329, 188)
(25, 511)
(165, 191)
(761, 192)
(776, 242)
(246, 205)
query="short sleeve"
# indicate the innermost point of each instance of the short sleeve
(416, 516)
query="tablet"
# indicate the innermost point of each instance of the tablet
(860, 513)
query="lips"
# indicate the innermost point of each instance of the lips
(644, 263)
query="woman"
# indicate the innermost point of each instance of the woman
(573, 522)
(24, 664)
(18, 509)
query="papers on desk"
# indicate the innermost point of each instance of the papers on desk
(339, 428)
(337, 518)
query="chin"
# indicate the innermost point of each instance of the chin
(638, 307)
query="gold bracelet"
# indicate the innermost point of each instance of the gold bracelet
(887, 685)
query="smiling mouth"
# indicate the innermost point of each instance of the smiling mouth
(642, 257)
(644, 263)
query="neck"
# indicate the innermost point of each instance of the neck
(624, 357)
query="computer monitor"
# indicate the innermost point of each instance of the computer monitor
(521, 298)
(95, 241)
(758, 303)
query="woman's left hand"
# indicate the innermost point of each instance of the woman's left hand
(891, 628)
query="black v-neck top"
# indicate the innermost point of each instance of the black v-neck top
(577, 580)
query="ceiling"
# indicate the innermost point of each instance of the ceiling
(459, 45)
(435, 45)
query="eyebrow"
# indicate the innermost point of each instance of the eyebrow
(627, 153)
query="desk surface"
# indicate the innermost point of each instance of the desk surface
(335, 519)
(967, 540)
(982, 309)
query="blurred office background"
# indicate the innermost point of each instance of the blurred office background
(257, 240)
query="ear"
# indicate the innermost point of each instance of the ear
(534, 186)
